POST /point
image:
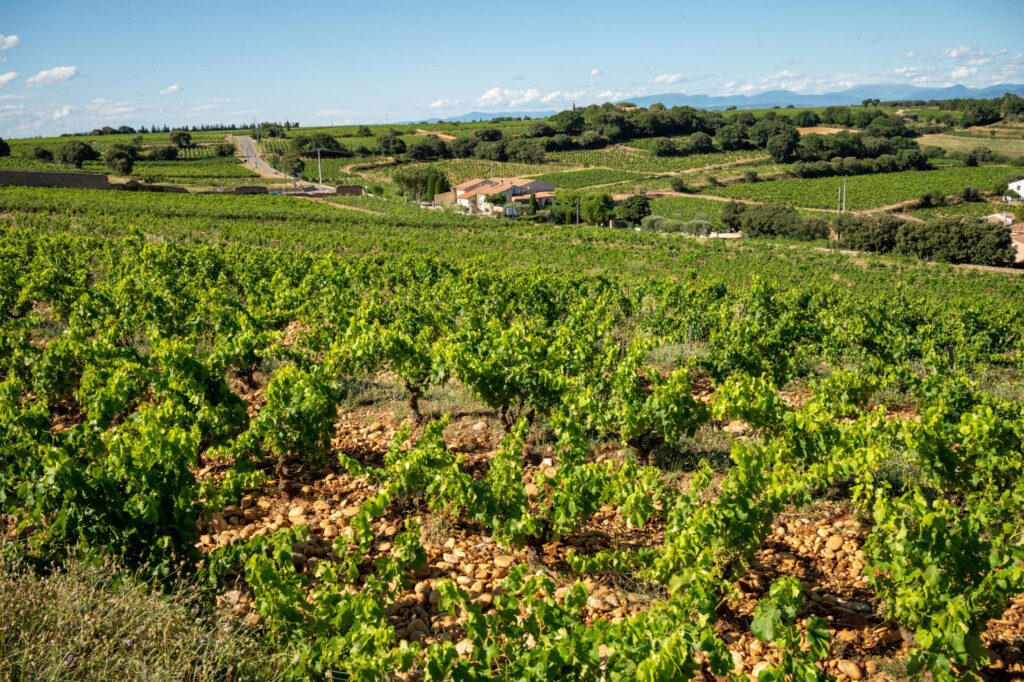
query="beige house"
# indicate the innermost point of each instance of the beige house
(472, 194)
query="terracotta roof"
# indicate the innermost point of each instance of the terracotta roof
(469, 184)
(539, 195)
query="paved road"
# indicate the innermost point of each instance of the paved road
(252, 159)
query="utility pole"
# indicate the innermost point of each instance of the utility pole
(319, 166)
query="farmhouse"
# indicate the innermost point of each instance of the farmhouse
(1018, 187)
(473, 194)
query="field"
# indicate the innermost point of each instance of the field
(589, 178)
(319, 399)
(349, 437)
(621, 157)
(868, 191)
(1010, 147)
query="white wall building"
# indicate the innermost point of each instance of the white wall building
(472, 194)
(1017, 187)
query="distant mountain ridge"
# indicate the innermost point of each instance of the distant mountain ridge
(854, 95)
(774, 98)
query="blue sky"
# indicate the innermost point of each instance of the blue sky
(69, 66)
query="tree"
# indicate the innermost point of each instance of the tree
(678, 184)
(488, 134)
(700, 142)
(525, 151)
(415, 182)
(165, 153)
(497, 199)
(42, 154)
(364, 131)
(5, 149)
(181, 139)
(540, 129)
(731, 137)
(732, 214)
(289, 163)
(428, 148)
(782, 146)
(75, 153)
(308, 144)
(120, 161)
(664, 147)
(597, 209)
(391, 143)
(873, 233)
(633, 210)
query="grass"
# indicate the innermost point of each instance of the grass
(95, 621)
(965, 143)
(688, 208)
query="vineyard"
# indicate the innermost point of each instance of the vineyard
(868, 191)
(478, 462)
(589, 178)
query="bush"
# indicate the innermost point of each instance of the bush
(75, 153)
(163, 153)
(180, 139)
(732, 215)
(289, 163)
(224, 149)
(699, 143)
(751, 176)
(773, 221)
(655, 223)
(5, 149)
(971, 195)
(427, 149)
(664, 147)
(678, 184)
(42, 154)
(957, 240)
(119, 161)
(876, 233)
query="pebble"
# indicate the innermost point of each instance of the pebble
(834, 543)
(850, 669)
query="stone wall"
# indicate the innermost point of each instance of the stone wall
(30, 178)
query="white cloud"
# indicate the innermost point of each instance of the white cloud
(963, 71)
(595, 72)
(171, 89)
(910, 55)
(785, 73)
(443, 102)
(327, 113)
(668, 78)
(105, 109)
(54, 75)
(7, 42)
(6, 78)
(981, 61)
(513, 98)
(63, 112)
(492, 96)
(958, 52)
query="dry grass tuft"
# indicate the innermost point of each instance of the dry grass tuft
(96, 621)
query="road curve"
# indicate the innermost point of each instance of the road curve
(252, 159)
